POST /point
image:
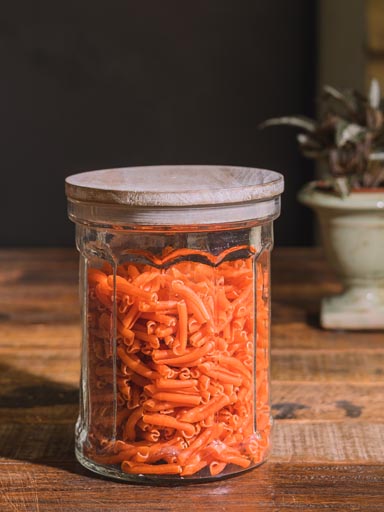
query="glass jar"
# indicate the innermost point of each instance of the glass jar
(175, 298)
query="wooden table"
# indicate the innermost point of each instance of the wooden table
(328, 402)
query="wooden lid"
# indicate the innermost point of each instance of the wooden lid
(175, 186)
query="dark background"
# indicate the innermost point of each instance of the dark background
(88, 84)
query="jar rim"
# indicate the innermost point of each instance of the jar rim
(175, 186)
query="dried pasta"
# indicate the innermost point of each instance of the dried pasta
(178, 365)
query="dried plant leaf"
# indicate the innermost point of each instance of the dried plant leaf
(377, 155)
(308, 141)
(349, 136)
(347, 132)
(374, 94)
(378, 180)
(346, 97)
(341, 186)
(298, 121)
(309, 146)
(335, 93)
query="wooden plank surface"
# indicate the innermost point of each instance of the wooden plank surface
(327, 394)
(44, 487)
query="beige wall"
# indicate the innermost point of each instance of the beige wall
(341, 35)
(351, 43)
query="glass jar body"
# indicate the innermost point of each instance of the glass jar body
(175, 353)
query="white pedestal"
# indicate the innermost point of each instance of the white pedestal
(356, 308)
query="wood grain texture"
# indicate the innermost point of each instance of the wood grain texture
(343, 488)
(327, 395)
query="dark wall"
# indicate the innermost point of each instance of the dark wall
(87, 84)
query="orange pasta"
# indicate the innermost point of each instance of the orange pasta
(177, 398)
(164, 420)
(183, 328)
(193, 300)
(129, 428)
(176, 383)
(182, 355)
(150, 469)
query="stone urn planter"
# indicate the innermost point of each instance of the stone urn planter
(352, 230)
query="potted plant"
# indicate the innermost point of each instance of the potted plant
(348, 137)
